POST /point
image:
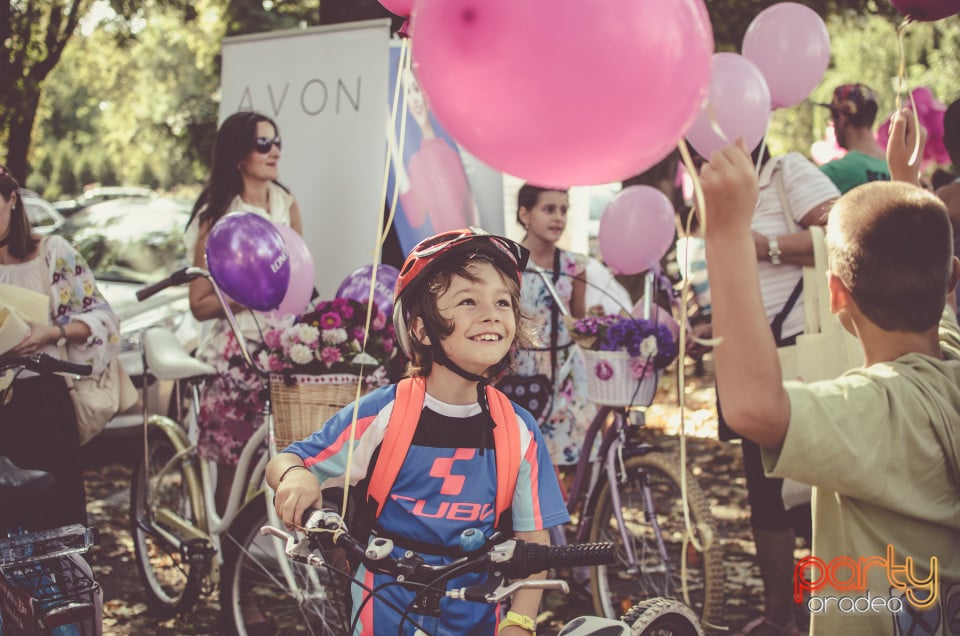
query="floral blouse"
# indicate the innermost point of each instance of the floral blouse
(74, 297)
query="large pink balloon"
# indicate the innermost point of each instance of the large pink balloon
(564, 92)
(790, 45)
(302, 273)
(927, 10)
(402, 8)
(739, 104)
(636, 228)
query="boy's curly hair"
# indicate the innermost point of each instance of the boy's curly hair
(423, 305)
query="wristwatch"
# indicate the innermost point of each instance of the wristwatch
(773, 251)
(62, 340)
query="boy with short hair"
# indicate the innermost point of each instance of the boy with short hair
(457, 315)
(880, 444)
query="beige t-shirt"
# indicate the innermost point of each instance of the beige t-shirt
(881, 445)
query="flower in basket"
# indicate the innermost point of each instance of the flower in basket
(330, 340)
(650, 345)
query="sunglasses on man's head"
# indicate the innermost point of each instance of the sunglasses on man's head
(264, 144)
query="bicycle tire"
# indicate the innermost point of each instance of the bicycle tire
(172, 583)
(662, 617)
(616, 589)
(251, 573)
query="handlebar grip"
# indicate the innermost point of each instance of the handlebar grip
(531, 558)
(179, 277)
(48, 364)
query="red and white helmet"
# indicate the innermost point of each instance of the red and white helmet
(508, 256)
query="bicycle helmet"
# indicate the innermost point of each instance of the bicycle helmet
(425, 259)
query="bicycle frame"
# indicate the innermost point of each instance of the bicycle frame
(210, 525)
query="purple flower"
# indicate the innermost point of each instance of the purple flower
(330, 320)
(329, 355)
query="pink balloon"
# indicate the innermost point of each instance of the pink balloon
(927, 10)
(790, 45)
(402, 8)
(302, 273)
(636, 228)
(739, 104)
(930, 113)
(602, 94)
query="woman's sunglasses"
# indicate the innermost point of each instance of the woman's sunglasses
(264, 144)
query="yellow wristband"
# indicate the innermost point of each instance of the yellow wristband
(521, 621)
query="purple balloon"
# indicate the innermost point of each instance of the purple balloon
(356, 286)
(248, 260)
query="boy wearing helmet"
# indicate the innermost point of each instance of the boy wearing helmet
(472, 459)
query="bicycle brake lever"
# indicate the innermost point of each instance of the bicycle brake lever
(483, 594)
(296, 550)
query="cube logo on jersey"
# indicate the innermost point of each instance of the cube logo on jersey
(452, 472)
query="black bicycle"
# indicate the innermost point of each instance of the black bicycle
(45, 586)
(326, 543)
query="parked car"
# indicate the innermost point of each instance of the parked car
(43, 217)
(70, 207)
(130, 243)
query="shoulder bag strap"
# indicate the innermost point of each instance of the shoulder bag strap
(554, 320)
(809, 281)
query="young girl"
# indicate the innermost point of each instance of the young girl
(543, 214)
(458, 319)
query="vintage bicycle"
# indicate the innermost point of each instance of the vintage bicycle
(184, 549)
(639, 496)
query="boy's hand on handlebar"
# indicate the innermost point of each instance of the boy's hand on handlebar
(298, 491)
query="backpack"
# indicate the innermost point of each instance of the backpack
(407, 406)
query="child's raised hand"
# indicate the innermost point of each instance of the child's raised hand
(730, 190)
(902, 144)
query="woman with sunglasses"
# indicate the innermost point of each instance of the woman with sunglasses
(244, 178)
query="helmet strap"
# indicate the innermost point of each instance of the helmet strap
(440, 357)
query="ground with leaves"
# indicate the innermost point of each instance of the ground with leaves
(716, 466)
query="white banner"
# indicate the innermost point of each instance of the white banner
(326, 87)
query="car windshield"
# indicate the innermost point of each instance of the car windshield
(133, 240)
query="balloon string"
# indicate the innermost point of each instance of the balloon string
(763, 151)
(703, 538)
(382, 229)
(715, 123)
(901, 88)
(395, 150)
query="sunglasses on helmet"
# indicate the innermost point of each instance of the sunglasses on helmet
(264, 144)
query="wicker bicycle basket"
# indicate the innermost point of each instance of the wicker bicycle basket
(611, 380)
(303, 403)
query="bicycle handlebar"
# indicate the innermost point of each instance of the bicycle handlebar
(44, 364)
(184, 276)
(180, 277)
(501, 557)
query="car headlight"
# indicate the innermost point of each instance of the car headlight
(175, 316)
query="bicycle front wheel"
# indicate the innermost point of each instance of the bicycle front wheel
(166, 509)
(259, 584)
(656, 567)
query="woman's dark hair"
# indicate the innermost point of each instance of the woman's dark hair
(235, 140)
(529, 194)
(20, 239)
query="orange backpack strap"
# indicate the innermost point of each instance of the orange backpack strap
(506, 440)
(407, 406)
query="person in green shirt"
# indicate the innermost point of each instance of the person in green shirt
(880, 444)
(853, 110)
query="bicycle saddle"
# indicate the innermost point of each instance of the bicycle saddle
(16, 481)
